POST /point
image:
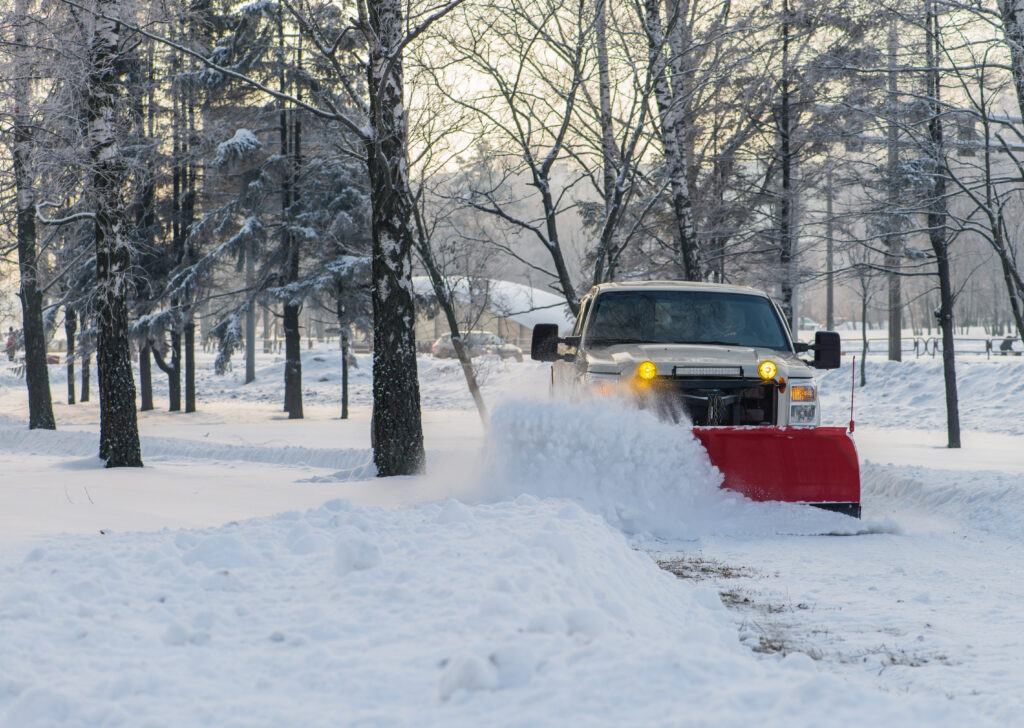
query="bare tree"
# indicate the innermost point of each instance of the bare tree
(20, 137)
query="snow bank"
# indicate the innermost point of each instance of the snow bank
(988, 500)
(527, 612)
(644, 476)
(912, 394)
(16, 439)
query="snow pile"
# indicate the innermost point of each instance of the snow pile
(644, 476)
(912, 394)
(991, 501)
(530, 613)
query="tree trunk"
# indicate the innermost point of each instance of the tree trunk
(602, 263)
(673, 130)
(188, 251)
(190, 366)
(830, 318)
(291, 140)
(893, 240)
(70, 326)
(787, 252)
(863, 337)
(444, 299)
(292, 362)
(343, 343)
(397, 427)
(145, 377)
(86, 365)
(250, 319)
(267, 349)
(119, 432)
(937, 231)
(37, 377)
(172, 370)
(1012, 12)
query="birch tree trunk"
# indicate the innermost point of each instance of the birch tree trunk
(670, 104)
(119, 432)
(397, 428)
(602, 265)
(37, 378)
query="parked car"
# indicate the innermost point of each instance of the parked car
(479, 343)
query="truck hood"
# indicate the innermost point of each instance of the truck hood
(624, 358)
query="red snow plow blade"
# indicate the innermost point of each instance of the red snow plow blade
(816, 465)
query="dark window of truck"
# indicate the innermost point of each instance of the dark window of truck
(684, 317)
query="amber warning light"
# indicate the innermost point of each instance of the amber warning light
(647, 371)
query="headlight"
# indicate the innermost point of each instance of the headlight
(802, 393)
(803, 414)
(803, 409)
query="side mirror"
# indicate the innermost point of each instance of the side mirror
(827, 350)
(544, 344)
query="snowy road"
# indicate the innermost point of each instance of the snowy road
(935, 610)
(932, 609)
(508, 601)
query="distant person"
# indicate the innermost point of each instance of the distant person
(10, 343)
(1007, 346)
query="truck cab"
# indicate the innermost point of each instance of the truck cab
(722, 354)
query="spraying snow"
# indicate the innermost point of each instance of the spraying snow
(643, 475)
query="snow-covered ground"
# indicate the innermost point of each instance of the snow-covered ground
(255, 573)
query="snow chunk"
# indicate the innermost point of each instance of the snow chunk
(355, 554)
(222, 552)
(467, 671)
(39, 707)
(454, 512)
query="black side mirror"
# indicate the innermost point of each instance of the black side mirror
(544, 344)
(827, 350)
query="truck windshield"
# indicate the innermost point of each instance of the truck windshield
(684, 317)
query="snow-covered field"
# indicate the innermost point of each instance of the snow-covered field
(255, 573)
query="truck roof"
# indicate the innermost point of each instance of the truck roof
(675, 286)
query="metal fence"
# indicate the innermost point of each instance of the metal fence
(920, 346)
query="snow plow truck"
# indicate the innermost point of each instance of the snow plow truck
(723, 357)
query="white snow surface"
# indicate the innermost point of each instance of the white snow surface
(255, 573)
